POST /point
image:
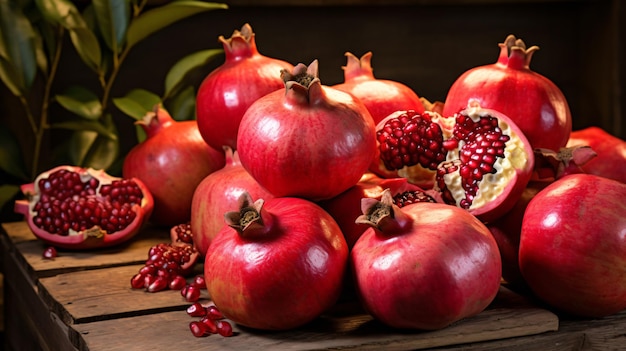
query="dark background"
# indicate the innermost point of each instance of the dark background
(424, 44)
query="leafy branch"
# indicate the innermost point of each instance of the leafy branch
(103, 33)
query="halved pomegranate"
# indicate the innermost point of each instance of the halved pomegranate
(478, 158)
(83, 208)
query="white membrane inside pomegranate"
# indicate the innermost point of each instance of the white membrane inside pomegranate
(492, 184)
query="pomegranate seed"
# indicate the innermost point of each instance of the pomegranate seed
(158, 284)
(199, 281)
(209, 323)
(224, 328)
(196, 310)
(214, 313)
(137, 281)
(178, 282)
(192, 294)
(411, 197)
(50, 253)
(198, 329)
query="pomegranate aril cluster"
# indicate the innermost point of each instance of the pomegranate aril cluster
(211, 321)
(164, 268)
(67, 203)
(411, 139)
(411, 197)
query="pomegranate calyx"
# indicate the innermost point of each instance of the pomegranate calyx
(356, 68)
(241, 43)
(154, 121)
(557, 164)
(251, 219)
(302, 75)
(383, 215)
(514, 54)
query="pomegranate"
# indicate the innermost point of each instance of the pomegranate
(167, 263)
(380, 96)
(423, 266)
(309, 140)
(277, 265)
(346, 207)
(218, 193)
(572, 247)
(531, 100)
(77, 208)
(549, 166)
(172, 161)
(611, 150)
(227, 92)
(478, 159)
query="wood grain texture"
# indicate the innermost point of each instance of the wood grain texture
(329, 332)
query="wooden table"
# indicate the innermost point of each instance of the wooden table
(83, 301)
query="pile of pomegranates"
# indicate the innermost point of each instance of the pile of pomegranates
(294, 189)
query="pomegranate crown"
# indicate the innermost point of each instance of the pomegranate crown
(514, 54)
(240, 43)
(358, 68)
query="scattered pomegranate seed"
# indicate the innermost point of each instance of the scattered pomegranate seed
(191, 293)
(196, 310)
(224, 328)
(178, 282)
(213, 313)
(209, 323)
(199, 281)
(137, 281)
(198, 329)
(50, 253)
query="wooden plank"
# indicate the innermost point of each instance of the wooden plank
(31, 248)
(353, 331)
(87, 296)
(29, 323)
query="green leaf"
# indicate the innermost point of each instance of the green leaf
(137, 103)
(10, 77)
(87, 46)
(85, 42)
(11, 158)
(182, 106)
(113, 17)
(103, 151)
(177, 74)
(81, 101)
(86, 125)
(17, 47)
(160, 17)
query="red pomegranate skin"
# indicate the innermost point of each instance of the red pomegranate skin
(381, 96)
(530, 99)
(226, 93)
(445, 269)
(573, 245)
(285, 275)
(171, 161)
(218, 193)
(611, 150)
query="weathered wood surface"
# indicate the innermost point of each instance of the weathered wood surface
(509, 316)
(85, 299)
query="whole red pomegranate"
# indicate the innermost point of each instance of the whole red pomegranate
(171, 162)
(309, 140)
(530, 99)
(549, 166)
(77, 208)
(478, 159)
(227, 92)
(217, 194)
(380, 96)
(277, 265)
(572, 250)
(611, 150)
(346, 207)
(424, 266)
